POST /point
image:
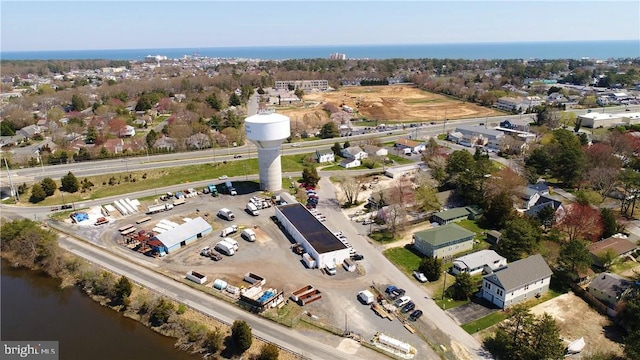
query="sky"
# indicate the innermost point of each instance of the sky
(84, 25)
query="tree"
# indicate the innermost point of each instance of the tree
(606, 258)
(609, 223)
(310, 175)
(336, 148)
(92, 135)
(122, 290)
(519, 239)
(147, 101)
(499, 210)
(426, 196)
(329, 130)
(630, 314)
(214, 102)
(346, 145)
(351, 188)
(299, 93)
(77, 104)
(581, 221)
(234, 100)
(431, 267)
(547, 216)
(213, 341)
(37, 194)
(70, 183)
(575, 256)
(151, 138)
(463, 288)
(268, 352)
(545, 341)
(241, 335)
(161, 313)
(49, 186)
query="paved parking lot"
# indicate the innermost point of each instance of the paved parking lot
(470, 312)
(271, 257)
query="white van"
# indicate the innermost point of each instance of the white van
(252, 209)
(226, 214)
(248, 235)
(225, 248)
(232, 242)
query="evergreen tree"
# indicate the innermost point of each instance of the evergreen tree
(431, 267)
(575, 256)
(463, 287)
(214, 102)
(329, 130)
(241, 335)
(49, 186)
(234, 100)
(519, 239)
(346, 145)
(37, 194)
(77, 104)
(609, 223)
(336, 148)
(310, 175)
(151, 138)
(70, 183)
(92, 135)
(268, 352)
(122, 290)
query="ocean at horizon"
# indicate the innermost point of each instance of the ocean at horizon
(518, 50)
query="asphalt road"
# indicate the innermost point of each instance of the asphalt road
(202, 302)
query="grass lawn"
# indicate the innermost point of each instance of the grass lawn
(144, 180)
(382, 236)
(403, 258)
(399, 160)
(485, 322)
(472, 225)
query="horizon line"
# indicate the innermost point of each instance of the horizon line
(331, 45)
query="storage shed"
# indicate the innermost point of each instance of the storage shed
(183, 235)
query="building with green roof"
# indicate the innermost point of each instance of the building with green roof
(456, 214)
(443, 241)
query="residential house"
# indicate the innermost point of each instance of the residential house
(516, 124)
(14, 140)
(325, 156)
(29, 131)
(376, 151)
(617, 246)
(456, 214)
(165, 143)
(349, 163)
(127, 131)
(518, 281)
(609, 289)
(198, 141)
(443, 241)
(354, 152)
(483, 261)
(114, 146)
(544, 202)
(477, 135)
(410, 145)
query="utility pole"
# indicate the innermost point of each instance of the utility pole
(444, 284)
(13, 189)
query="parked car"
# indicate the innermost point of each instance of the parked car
(390, 288)
(295, 145)
(415, 315)
(237, 156)
(420, 276)
(357, 257)
(408, 307)
(223, 177)
(397, 293)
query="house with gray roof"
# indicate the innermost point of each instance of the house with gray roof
(354, 152)
(478, 262)
(324, 156)
(477, 135)
(519, 281)
(443, 241)
(609, 289)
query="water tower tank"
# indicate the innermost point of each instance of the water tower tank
(268, 130)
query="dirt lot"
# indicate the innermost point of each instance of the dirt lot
(396, 102)
(576, 319)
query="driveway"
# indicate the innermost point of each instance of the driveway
(476, 309)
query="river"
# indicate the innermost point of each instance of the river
(34, 308)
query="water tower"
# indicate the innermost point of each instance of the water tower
(268, 130)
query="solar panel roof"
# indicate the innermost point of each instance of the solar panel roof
(321, 238)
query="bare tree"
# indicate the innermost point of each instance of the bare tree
(351, 187)
(394, 216)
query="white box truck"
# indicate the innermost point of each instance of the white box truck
(252, 209)
(226, 214)
(228, 230)
(225, 248)
(366, 297)
(248, 235)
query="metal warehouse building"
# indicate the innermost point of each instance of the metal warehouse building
(316, 239)
(182, 235)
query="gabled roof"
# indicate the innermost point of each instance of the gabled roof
(542, 203)
(407, 142)
(324, 152)
(183, 231)
(444, 234)
(458, 212)
(617, 245)
(610, 284)
(520, 273)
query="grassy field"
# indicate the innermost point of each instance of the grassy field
(403, 258)
(382, 236)
(121, 183)
(485, 322)
(399, 160)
